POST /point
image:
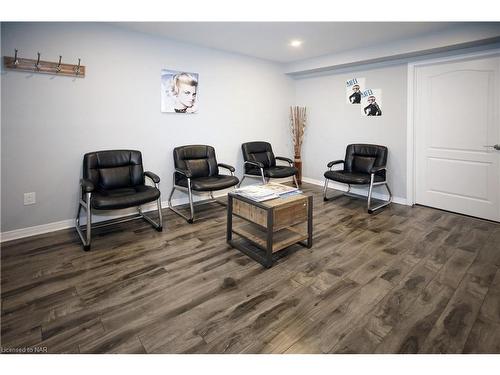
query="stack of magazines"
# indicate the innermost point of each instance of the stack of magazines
(260, 193)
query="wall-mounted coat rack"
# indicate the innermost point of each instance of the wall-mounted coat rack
(47, 67)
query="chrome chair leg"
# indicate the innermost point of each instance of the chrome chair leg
(191, 208)
(189, 219)
(212, 198)
(157, 225)
(370, 190)
(77, 219)
(86, 239)
(325, 189)
(169, 202)
(370, 209)
(261, 177)
(89, 220)
(386, 203)
(241, 181)
(160, 216)
(389, 191)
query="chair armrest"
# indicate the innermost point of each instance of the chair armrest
(227, 166)
(377, 169)
(152, 176)
(256, 163)
(289, 161)
(332, 163)
(184, 172)
(87, 185)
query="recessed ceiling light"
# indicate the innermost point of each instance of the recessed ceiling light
(296, 43)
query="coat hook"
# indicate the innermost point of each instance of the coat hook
(77, 68)
(58, 67)
(37, 65)
(16, 60)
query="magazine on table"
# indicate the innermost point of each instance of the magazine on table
(281, 189)
(260, 193)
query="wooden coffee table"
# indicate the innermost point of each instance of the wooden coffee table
(270, 226)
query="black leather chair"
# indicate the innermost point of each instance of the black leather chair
(260, 162)
(115, 180)
(364, 164)
(196, 169)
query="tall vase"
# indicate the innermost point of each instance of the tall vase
(297, 124)
(298, 164)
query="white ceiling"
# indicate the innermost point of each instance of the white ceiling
(270, 40)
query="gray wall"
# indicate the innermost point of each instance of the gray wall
(332, 124)
(49, 122)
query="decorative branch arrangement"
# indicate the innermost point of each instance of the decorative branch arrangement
(48, 67)
(298, 119)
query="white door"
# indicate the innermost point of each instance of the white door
(456, 123)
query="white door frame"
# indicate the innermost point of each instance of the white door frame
(410, 124)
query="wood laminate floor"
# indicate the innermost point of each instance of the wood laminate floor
(405, 280)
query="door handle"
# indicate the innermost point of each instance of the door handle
(496, 147)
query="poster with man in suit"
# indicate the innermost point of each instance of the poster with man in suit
(353, 88)
(371, 102)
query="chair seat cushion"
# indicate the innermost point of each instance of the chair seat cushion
(351, 177)
(210, 183)
(125, 197)
(279, 171)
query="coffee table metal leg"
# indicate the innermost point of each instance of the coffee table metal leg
(269, 247)
(229, 230)
(309, 222)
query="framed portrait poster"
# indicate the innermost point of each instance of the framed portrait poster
(179, 91)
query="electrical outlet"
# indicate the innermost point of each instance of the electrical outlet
(29, 198)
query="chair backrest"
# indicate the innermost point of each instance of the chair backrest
(258, 151)
(113, 169)
(361, 158)
(198, 159)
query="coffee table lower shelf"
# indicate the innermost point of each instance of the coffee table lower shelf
(258, 254)
(281, 239)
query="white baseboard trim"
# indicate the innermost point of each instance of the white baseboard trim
(357, 191)
(35, 230)
(70, 223)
